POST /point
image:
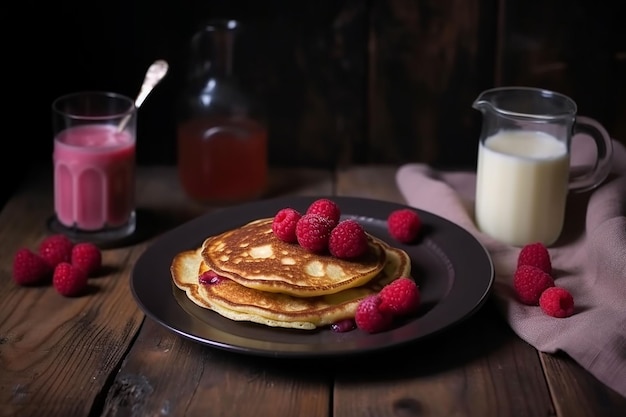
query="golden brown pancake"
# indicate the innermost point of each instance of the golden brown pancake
(237, 302)
(254, 257)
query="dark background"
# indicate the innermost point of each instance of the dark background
(342, 81)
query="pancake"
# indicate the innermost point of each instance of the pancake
(237, 302)
(254, 257)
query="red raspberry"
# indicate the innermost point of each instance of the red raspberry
(210, 277)
(529, 282)
(400, 297)
(56, 249)
(87, 256)
(404, 225)
(284, 224)
(347, 240)
(370, 318)
(557, 302)
(343, 326)
(29, 268)
(69, 280)
(327, 208)
(313, 232)
(535, 254)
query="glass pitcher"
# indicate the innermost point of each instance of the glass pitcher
(221, 134)
(523, 171)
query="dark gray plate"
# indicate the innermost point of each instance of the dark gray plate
(452, 268)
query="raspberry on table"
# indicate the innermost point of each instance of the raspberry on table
(557, 302)
(284, 224)
(347, 240)
(327, 208)
(400, 297)
(535, 254)
(404, 225)
(30, 268)
(313, 232)
(370, 318)
(56, 249)
(69, 280)
(87, 256)
(529, 282)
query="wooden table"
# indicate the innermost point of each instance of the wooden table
(99, 355)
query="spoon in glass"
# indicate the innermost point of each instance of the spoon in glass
(154, 75)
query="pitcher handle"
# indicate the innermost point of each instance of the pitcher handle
(604, 146)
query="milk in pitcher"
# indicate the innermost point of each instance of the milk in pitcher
(522, 186)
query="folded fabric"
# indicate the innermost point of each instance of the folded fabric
(589, 260)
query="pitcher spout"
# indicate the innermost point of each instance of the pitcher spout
(485, 101)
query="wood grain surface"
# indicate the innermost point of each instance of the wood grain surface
(342, 81)
(98, 355)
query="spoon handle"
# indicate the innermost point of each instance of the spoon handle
(154, 75)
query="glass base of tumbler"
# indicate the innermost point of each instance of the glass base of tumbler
(103, 238)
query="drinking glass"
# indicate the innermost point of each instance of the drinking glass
(94, 166)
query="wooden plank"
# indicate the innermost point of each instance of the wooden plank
(446, 375)
(166, 374)
(577, 48)
(428, 62)
(300, 181)
(161, 365)
(311, 71)
(578, 393)
(58, 353)
(369, 181)
(160, 214)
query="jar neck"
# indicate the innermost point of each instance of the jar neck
(212, 50)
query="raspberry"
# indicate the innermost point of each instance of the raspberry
(529, 282)
(313, 232)
(29, 268)
(347, 240)
(56, 249)
(210, 277)
(87, 256)
(284, 224)
(404, 225)
(400, 297)
(370, 318)
(69, 280)
(557, 302)
(535, 254)
(327, 208)
(343, 326)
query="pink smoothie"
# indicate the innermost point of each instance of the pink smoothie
(94, 182)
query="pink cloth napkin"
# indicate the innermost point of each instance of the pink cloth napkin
(589, 259)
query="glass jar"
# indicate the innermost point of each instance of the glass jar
(221, 134)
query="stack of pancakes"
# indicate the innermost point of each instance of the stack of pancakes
(248, 274)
